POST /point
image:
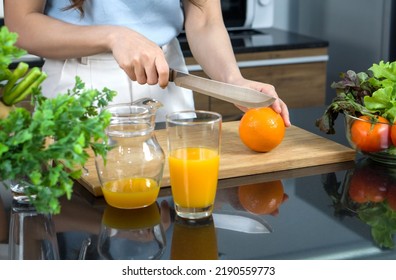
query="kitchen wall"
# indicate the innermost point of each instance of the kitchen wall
(358, 31)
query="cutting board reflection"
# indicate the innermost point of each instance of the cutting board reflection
(298, 149)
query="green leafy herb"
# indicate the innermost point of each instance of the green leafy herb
(382, 220)
(49, 147)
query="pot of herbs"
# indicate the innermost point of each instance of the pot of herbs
(48, 147)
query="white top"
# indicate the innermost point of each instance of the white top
(159, 20)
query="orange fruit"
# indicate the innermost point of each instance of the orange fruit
(261, 129)
(262, 198)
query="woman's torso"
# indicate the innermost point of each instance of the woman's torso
(159, 20)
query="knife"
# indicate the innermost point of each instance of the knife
(242, 96)
(241, 223)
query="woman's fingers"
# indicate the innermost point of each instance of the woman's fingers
(141, 59)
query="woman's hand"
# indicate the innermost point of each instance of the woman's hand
(206, 34)
(142, 59)
(279, 106)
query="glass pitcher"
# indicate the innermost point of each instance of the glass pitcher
(132, 173)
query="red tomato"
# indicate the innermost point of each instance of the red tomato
(393, 134)
(369, 183)
(367, 189)
(371, 137)
(357, 192)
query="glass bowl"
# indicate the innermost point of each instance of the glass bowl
(371, 138)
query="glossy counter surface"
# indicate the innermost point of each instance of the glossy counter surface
(316, 219)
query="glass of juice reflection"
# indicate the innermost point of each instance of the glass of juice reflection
(194, 240)
(194, 158)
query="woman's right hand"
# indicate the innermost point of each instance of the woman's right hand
(140, 58)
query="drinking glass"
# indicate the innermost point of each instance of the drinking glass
(32, 234)
(194, 157)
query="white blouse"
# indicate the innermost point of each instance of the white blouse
(159, 20)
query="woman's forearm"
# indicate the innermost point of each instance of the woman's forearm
(50, 38)
(210, 43)
(214, 53)
(44, 36)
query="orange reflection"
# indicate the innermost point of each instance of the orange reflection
(131, 218)
(262, 198)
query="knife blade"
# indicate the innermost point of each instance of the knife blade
(241, 223)
(242, 96)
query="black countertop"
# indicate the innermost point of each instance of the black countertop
(265, 39)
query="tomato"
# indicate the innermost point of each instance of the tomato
(393, 134)
(367, 189)
(371, 136)
(357, 192)
(369, 183)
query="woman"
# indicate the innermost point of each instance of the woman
(112, 43)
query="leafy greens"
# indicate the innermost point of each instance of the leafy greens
(49, 146)
(366, 93)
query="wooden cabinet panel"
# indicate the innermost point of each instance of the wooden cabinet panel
(299, 85)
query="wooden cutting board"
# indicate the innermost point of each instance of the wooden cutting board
(298, 149)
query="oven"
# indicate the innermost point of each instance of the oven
(247, 14)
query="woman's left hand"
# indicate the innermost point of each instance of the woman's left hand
(279, 106)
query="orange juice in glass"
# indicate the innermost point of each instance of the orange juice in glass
(194, 157)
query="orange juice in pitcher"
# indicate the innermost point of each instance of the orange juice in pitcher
(130, 193)
(131, 175)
